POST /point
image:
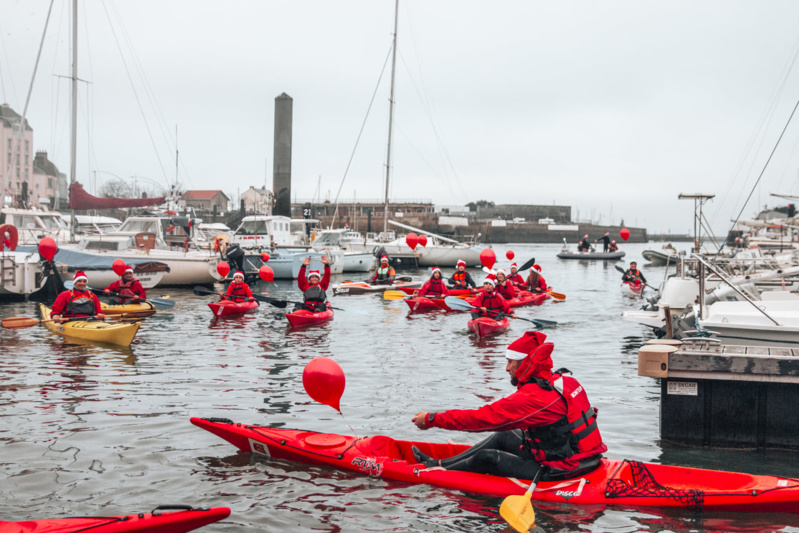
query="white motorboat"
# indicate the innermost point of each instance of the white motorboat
(740, 323)
(339, 239)
(35, 224)
(591, 256)
(20, 273)
(143, 237)
(666, 256)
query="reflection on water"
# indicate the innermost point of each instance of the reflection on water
(91, 429)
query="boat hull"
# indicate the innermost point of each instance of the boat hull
(228, 308)
(485, 327)
(658, 258)
(21, 274)
(614, 482)
(110, 309)
(118, 334)
(632, 290)
(592, 256)
(421, 304)
(303, 318)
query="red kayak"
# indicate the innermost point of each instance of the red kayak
(303, 317)
(452, 292)
(615, 482)
(485, 326)
(421, 304)
(522, 298)
(176, 519)
(632, 289)
(230, 308)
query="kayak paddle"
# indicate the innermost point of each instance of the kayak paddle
(460, 305)
(620, 269)
(21, 322)
(277, 302)
(394, 295)
(518, 510)
(557, 295)
(162, 303)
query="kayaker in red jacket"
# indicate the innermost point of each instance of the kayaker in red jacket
(77, 302)
(504, 287)
(385, 273)
(535, 281)
(461, 279)
(547, 422)
(613, 247)
(435, 286)
(632, 274)
(515, 277)
(128, 288)
(490, 303)
(314, 286)
(238, 291)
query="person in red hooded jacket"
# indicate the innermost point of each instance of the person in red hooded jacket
(77, 302)
(490, 303)
(128, 289)
(535, 281)
(548, 422)
(314, 286)
(238, 291)
(504, 286)
(435, 286)
(515, 277)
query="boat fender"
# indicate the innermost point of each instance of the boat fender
(8, 237)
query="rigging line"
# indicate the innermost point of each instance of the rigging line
(138, 101)
(363, 125)
(419, 153)
(761, 173)
(765, 118)
(22, 122)
(55, 102)
(149, 93)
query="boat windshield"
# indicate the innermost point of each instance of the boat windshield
(328, 239)
(139, 226)
(253, 227)
(53, 223)
(27, 222)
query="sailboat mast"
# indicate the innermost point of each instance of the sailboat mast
(73, 150)
(390, 115)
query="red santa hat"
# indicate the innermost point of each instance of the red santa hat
(538, 364)
(491, 281)
(80, 275)
(537, 267)
(460, 262)
(384, 259)
(514, 265)
(434, 270)
(238, 273)
(128, 268)
(585, 236)
(313, 273)
(525, 345)
(501, 271)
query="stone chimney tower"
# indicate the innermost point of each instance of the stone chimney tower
(281, 170)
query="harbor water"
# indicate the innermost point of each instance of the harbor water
(96, 430)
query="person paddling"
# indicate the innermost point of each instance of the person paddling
(384, 274)
(535, 281)
(128, 288)
(547, 422)
(314, 286)
(632, 274)
(504, 287)
(77, 302)
(238, 290)
(490, 303)
(515, 277)
(434, 287)
(461, 279)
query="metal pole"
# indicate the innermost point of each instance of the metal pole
(390, 115)
(73, 162)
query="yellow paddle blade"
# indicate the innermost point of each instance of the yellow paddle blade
(19, 322)
(557, 295)
(518, 512)
(394, 295)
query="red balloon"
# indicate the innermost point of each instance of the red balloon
(223, 269)
(412, 240)
(422, 240)
(266, 273)
(47, 248)
(625, 233)
(324, 381)
(488, 257)
(119, 266)
(264, 257)
(510, 255)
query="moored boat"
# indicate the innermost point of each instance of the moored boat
(169, 518)
(231, 308)
(303, 318)
(93, 330)
(485, 326)
(614, 482)
(592, 256)
(118, 309)
(364, 287)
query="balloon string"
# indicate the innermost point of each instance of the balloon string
(348, 425)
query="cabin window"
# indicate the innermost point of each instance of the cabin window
(140, 226)
(252, 227)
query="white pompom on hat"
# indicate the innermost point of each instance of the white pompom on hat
(525, 345)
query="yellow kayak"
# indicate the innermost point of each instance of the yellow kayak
(110, 309)
(121, 334)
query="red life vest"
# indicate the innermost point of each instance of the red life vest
(436, 289)
(491, 301)
(126, 290)
(575, 435)
(315, 298)
(80, 304)
(506, 291)
(459, 278)
(236, 292)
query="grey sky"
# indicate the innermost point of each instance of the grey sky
(600, 105)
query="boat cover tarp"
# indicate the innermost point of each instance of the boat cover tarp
(82, 201)
(83, 261)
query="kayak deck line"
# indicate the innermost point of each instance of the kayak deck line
(612, 482)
